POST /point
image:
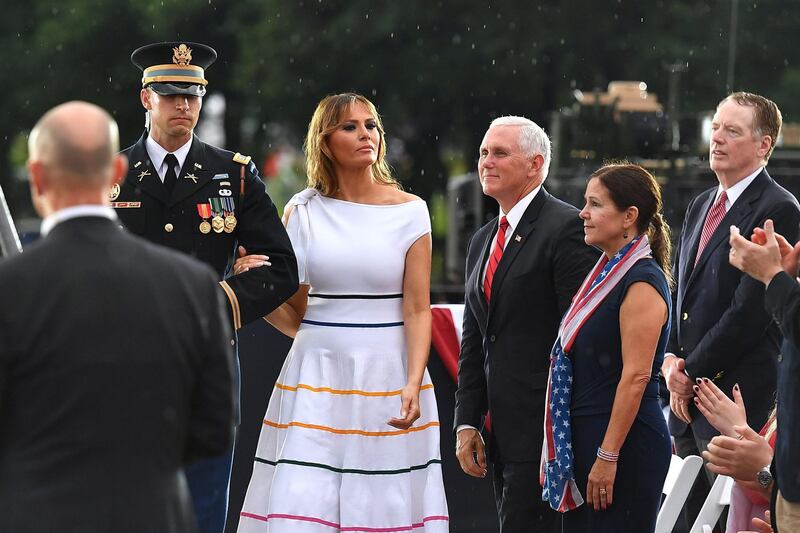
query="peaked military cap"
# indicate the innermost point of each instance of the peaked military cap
(174, 67)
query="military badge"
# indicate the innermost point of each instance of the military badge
(114, 192)
(182, 55)
(217, 222)
(204, 210)
(230, 218)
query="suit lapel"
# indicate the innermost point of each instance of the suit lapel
(142, 174)
(193, 177)
(516, 240)
(693, 240)
(477, 274)
(735, 216)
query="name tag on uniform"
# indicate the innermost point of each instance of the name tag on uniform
(126, 205)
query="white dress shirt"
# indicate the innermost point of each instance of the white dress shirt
(513, 217)
(735, 191)
(76, 211)
(157, 153)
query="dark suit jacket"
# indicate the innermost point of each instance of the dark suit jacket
(115, 371)
(505, 350)
(783, 304)
(720, 325)
(146, 208)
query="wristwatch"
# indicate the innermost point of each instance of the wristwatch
(764, 477)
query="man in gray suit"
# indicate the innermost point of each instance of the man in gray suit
(115, 360)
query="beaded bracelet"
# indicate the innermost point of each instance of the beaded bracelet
(607, 456)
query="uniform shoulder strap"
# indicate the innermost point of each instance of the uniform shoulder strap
(241, 159)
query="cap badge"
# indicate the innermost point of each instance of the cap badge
(182, 55)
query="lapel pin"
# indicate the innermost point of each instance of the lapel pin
(198, 165)
(191, 176)
(518, 238)
(137, 164)
(143, 173)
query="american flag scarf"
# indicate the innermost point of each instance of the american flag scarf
(556, 468)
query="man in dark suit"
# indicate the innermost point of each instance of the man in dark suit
(720, 327)
(522, 271)
(774, 262)
(115, 361)
(205, 201)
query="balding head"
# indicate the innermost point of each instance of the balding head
(72, 154)
(78, 140)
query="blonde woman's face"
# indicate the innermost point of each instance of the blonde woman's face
(355, 141)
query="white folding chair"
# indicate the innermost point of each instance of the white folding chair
(680, 478)
(718, 498)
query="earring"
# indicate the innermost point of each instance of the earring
(625, 235)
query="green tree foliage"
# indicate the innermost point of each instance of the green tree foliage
(439, 71)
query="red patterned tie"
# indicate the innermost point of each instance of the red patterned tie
(494, 259)
(714, 217)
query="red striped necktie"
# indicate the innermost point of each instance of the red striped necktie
(494, 259)
(714, 217)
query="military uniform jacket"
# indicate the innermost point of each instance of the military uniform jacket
(212, 180)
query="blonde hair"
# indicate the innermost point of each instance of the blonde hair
(319, 160)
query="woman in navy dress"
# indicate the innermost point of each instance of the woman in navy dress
(620, 441)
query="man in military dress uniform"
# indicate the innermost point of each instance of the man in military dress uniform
(205, 201)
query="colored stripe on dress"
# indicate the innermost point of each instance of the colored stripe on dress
(275, 516)
(349, 470)
(356, 296)
(341, 391)
(352, 325)
(361, 432)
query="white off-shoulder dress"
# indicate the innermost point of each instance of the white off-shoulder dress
(327, 460)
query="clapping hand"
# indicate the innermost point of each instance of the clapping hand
(765, 256)
(719, 410)
(739, 458)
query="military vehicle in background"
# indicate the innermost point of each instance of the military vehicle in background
(624, 122)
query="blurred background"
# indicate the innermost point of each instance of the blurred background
(439, 72)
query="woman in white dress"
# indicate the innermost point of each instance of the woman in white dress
(350, 440)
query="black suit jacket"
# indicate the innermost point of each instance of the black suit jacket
(148, 210)
(783, 304)
(720, 325)
(115, 371)
(505, 349)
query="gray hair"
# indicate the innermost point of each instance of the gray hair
(532, 138)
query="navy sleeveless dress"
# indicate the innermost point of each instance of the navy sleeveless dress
(645, 456)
